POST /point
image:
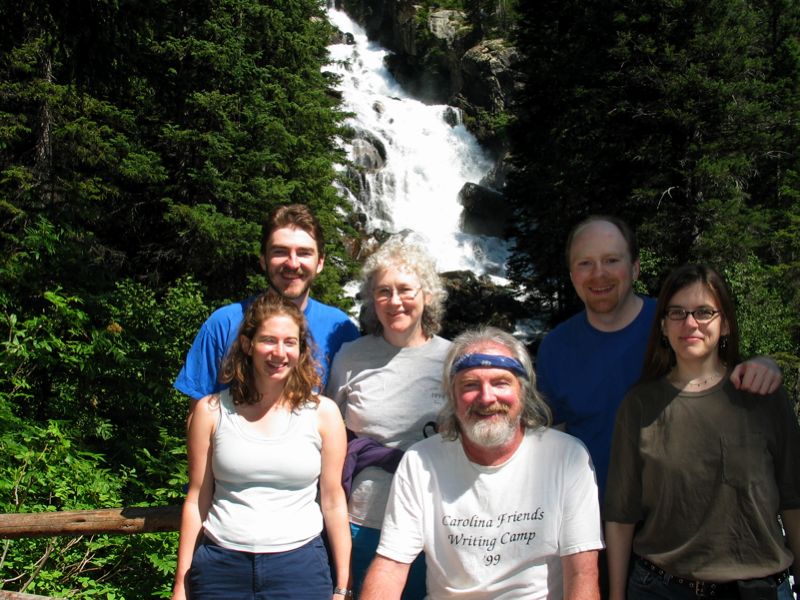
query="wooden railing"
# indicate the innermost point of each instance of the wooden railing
(145, 519)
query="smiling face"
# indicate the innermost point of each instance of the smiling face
(694, 342)
(399, 304)
(274, 349)
(488, 402)
(601, 269)
(292, 262)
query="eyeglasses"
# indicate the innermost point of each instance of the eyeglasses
(406, 294)
(701, 315)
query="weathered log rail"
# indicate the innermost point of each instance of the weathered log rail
(124, 521)
(21, 596)
(143, 519)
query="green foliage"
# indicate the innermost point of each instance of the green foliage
(44, 468)
(141, 145)
(680, 117)
(767, 322)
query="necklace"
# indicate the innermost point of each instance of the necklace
(699, 384)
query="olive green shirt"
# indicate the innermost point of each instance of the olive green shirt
(705, 474)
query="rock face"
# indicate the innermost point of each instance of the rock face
(489, 78)
(440, 58)
(486, 211)
(474, 301)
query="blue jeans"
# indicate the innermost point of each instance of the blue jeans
(299, 574)
(365, 542)
(646, 585)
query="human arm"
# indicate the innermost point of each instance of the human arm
(759, 375)
(385, 579)
(332, 499)
(619, 540)
(201, 488)
(335, 388)
(581, 579)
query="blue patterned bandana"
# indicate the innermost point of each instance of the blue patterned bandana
(495, 361)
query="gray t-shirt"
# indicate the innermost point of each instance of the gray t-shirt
(387, 394)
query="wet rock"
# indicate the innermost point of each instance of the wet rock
(486, 211)
(473, 301)
(446, 24)
(366, 155)
(452, 116)
(489, 76)
(369, 151)
(340, 37)
(498, 174)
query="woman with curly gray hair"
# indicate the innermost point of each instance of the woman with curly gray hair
(389, 382)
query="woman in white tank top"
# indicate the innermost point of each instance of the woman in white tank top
(258, 453)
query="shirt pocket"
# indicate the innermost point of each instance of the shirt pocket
(746, 462)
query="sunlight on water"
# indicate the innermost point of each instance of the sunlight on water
(427, 161)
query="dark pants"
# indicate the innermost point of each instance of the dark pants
(299, 574)
(644, 584)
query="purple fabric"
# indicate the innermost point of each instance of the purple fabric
(365, 452)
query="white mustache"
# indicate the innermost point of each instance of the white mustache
(487, 411)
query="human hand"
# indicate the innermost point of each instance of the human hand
(759, 375)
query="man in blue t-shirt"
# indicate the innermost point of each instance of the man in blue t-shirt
(587, 364)
(292, 255)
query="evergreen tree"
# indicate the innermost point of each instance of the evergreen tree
(661, 112)
(142, 142)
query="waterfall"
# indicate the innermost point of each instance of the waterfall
(414, 158)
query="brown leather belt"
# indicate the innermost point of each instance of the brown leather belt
(705, 588)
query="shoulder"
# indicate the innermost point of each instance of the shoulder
(327, 411)
(644, 389)
(366, 345)
(226, 318)
(317, 310)
(544, 444)
(431, 449)
(325, 406)
(206, 412)
(441, 344)
(561, 337)
(574, 324)
(233, 311)
(648, 312)
(555, 439)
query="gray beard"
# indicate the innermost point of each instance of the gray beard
(490, 434)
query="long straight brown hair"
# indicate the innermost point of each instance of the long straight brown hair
(659, 357)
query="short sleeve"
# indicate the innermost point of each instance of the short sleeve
(623, 496)
(402, 532)
(199, 374)
(581, 528)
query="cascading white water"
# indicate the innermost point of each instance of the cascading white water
(420, 162)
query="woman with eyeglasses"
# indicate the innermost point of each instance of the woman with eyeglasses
(700, 471)
(389, 382)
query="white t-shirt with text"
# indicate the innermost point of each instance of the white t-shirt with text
(492, 533)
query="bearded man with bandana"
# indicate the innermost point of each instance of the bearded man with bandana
(503, 506)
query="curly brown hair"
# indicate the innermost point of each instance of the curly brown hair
(237, 368)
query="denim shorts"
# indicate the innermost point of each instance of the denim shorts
(644, 584)
(299, 574)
